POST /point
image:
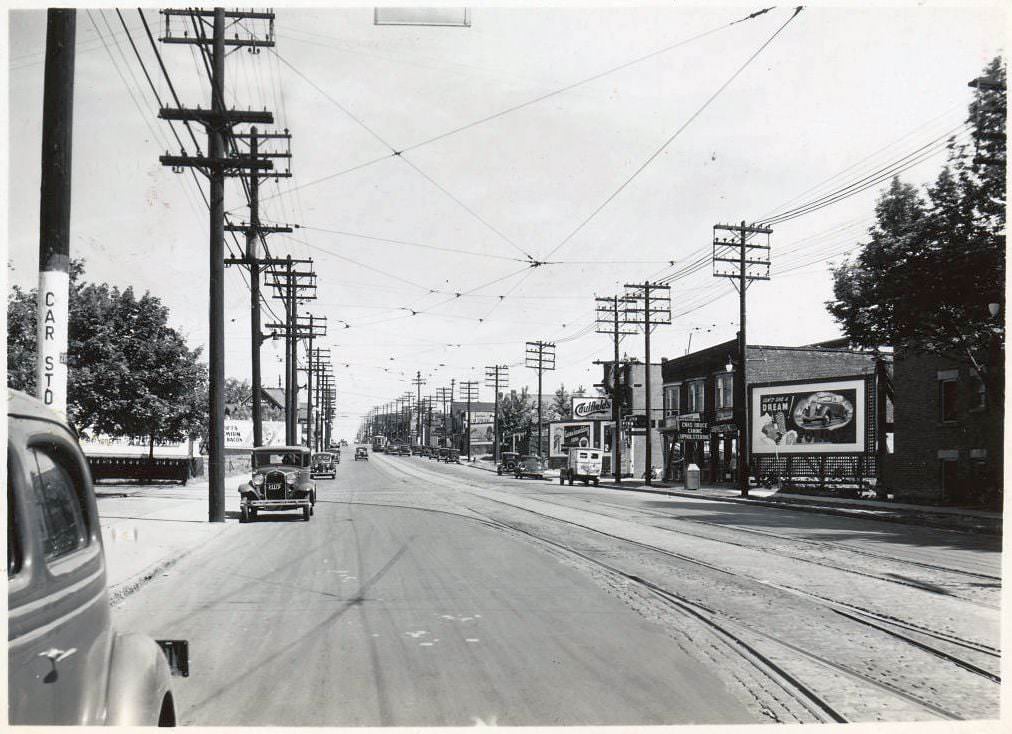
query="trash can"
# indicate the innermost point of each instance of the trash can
(692, 477)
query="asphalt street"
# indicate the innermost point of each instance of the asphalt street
(426, 594)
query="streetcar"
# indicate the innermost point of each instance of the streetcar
(379, 444)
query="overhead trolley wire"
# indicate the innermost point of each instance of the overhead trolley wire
(674, 135)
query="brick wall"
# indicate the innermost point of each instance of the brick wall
(923, 440)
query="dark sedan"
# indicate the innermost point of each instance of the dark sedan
(530, 466)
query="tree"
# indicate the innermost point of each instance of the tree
(131, 374)
(561, 405)
(934, 262)
(516, 414)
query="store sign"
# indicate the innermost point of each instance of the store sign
(693, 430)
(588, 408)
(809, 418)
(565, 435)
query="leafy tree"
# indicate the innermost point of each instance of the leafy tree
(516, 415)
(561, 406)
(934, 262)
(131, 374)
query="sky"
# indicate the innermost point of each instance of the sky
(686, 121)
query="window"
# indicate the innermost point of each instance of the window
(694, 402)
(948, 394)
(671, 401)
(58, 507)
(13, 532)
(978, 392)
(724, 390)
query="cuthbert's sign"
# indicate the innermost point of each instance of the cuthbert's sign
(591, 408)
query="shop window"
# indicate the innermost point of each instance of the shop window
(724, 390)
(948, 400)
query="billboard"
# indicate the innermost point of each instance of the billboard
(479, 416)
(809, 418)
(591, 408)
(100, 445)
(239, 433)
(563, 435)
(482, 433)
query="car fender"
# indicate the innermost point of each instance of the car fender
(139, 681)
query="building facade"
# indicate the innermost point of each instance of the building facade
(628, 387)
(949, 432)
(700, 419)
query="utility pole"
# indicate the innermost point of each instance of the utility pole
(540, 356)
(442, 395)
(431, 400)
(742, 262)
(418, 382)
(293, 287)
(54, 210)
(453, 385)
(656, 311)
(496, 376)
(255, 232)
(295, 329)
(469, 392)
(218, 121)
(611, 320)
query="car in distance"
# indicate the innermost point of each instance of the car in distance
(452, 456)
(324, 465)
(282, 480)
(507, 463)
(361, 453)
(65, 662)
(403, 450)
(530, 466)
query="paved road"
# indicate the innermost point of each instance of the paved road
(427, 594)
(395, 616)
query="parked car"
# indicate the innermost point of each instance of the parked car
(66, 664)
(282, 480)
(450, 456)
(324, 465)
(583, 464)
(361, 453)
(530, 466)
(433, 453)
(404, 450)
(507, 463)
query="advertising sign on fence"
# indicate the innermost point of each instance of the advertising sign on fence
(586, 408)
(809, 418)
(564, 435)
(134, 446)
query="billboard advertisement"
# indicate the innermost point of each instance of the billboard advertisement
(239, 433)
(591, 408)
(479, 416)
(564, 435)
(482, 433)
(99, 445)
(809, 418)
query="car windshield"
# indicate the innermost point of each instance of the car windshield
(277, 458)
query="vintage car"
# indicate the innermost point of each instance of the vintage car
(583, 464)
(448, 455)
(530, 466)
(282, 480)
(433, 452)
(417, 450)
(507, 463)
(324, 464)
(361, 452)
(66, 664)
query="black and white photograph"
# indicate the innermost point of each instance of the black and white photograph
(626, 364)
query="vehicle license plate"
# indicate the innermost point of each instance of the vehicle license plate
(274, 485)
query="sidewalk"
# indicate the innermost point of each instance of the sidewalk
(948, 518)
(147, 529)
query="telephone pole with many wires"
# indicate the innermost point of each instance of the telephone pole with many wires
(443, 395)
(540, 356)
(255, 233)
(655, 311)
(469, 393)
(418, 382)
(742, 262)
(496, 377)
(218, 121)
(611, 321)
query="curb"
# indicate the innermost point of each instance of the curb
(926, 519)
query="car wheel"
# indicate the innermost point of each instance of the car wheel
(597, 482)
(252, 514)
(570, 481)
(243, 514)
(306, 512)
(562, 479)
(498, 471)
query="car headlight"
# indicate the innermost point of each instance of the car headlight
(289, 479)
(258, 480)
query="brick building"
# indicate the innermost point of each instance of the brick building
(700, 418)
(949, 433)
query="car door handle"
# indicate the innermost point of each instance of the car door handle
(55, 655)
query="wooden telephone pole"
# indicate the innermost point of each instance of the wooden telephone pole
(611, 321)
(496, 377)
(742, 262)
(469, 392)
(218, 121)
(540, 356)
